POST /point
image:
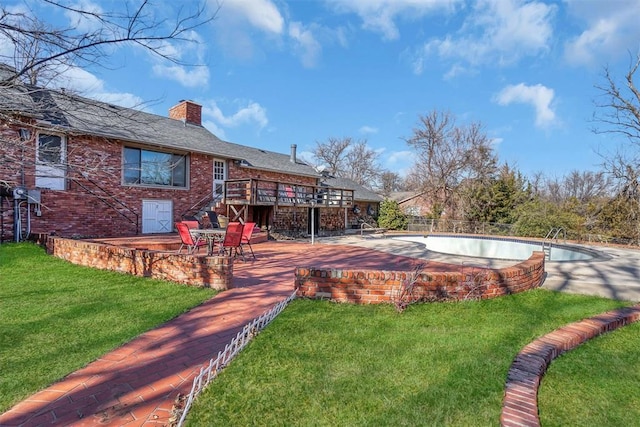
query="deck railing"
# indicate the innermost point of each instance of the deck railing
(277, 193)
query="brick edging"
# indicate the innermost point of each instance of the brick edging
(520, 404)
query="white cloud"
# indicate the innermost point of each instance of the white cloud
(214, 129)
(380, 15)
(368, 130)
(538, 96)
(455, 71)
(251, 113)
(400, 162)
(188, 77)
(261, 14)
(191, 46)
(610, 30)
(496, 32)
(305, 44)
(86, 84)
(122, 99)
(237, 21)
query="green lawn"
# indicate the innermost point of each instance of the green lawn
(327, 364)
(598, 384)
(56, 317)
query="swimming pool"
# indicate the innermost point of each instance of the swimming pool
(496, 247)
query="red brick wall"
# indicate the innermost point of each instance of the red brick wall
(372, 287)
(419, 205)
(201, 271)
(75, 212)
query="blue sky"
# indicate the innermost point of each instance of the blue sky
(276, 73)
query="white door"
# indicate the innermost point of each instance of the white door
(157, 216)
(219, 176)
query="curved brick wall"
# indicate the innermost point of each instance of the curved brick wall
(372, 286)
(520, 404)
(205, 271)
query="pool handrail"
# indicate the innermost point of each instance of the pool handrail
(546, 243)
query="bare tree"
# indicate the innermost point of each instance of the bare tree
(619, 114)
(620, 111)
(390, 182)
(362, 165)
(40, 49)
(447, 155)
(581, 186)
(347, 158)
(586, 185)
(331, 153)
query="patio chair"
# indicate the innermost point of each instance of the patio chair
(187, 239)
(213, 218)
(192, 224)
(247, 231)
(233, 240)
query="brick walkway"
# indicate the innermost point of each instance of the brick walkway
(138, 383)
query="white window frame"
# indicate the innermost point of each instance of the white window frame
(219, 177)
(51, 174)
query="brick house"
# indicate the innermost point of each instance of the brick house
(413, 203)
(77, 167)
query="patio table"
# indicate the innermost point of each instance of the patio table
(211, 235)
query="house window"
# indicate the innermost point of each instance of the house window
(146, 167)
(50, 162)
(219, 175)
(413, 210)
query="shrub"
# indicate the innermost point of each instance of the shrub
(391, 216)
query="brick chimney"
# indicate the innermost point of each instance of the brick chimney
(187, 111)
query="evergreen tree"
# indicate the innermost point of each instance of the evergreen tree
(391, 216)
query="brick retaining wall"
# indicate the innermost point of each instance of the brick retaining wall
(372, 286)
(203, 271)
(520, 404)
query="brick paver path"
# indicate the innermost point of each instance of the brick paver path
(138, 383)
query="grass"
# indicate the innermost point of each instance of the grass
(596, 384)
(326, 364)
(56, 317)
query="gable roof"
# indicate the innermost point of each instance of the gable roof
(69, 113)
(360, 193)
(404, 196)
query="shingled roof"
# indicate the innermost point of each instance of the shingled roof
(360, 193)
(73, 114)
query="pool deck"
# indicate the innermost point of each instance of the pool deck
(137, 384)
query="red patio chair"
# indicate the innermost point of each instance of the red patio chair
(247, 231)
(192, 224)
(187, 239)
(233, 239)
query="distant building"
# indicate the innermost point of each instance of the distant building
(414, 203)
